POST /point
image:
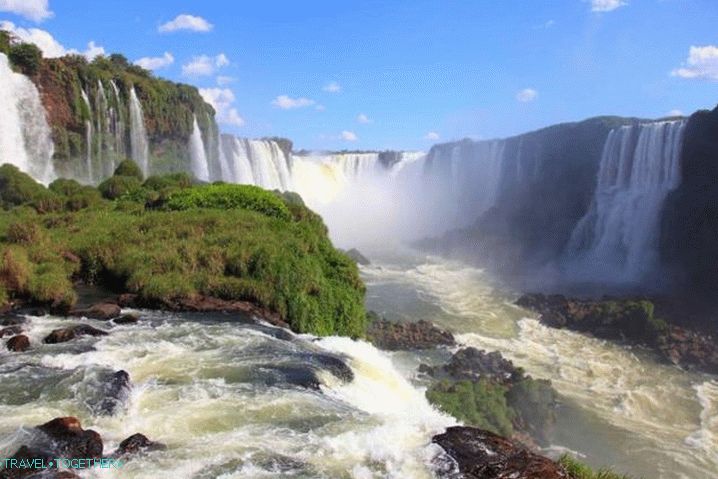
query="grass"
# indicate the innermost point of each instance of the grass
(579, 470)
(226, 241)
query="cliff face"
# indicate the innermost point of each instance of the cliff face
(90, 105)
(689, 228)
(523, 196)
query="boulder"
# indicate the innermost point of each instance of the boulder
(69, 440)
(18, 343)
(116, 390)
(28, 453)
(102, 311)
(407, 336)
(68, 334)
(471, 364)
(137, 443)
(126, 319)
(481, 454)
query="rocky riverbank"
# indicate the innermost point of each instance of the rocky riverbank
(631, 321)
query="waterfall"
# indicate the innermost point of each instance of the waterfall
(25, 136)
(257, 162)
(138, 134)
(103, 122)
(198, 155)
(88, 137)
(116, 121)
(618, 237)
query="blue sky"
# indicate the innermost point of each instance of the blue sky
(402, 74)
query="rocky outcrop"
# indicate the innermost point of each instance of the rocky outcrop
(480, 454)
(116, 389)
(137, 444)
(63, 335)
(358, 257)
(102, 311)
(70, 440)
(393, 336)
(628, 320)
(18, 343)
(10, 331)
(127, 319)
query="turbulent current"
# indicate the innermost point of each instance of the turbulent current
(234, 399)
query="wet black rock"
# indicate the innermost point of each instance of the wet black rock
(481, 454)
(335, 365)
(116, 389)
(127, 319)
(137, 443)
(472, 363)
(69, 440)
(393, 336)
(10, 331)
(102, 311)
(68, 334)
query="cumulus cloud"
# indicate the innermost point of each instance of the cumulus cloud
(607, 5)
(35, 10)
(286, 102)
(332, 87)
(675, 113)
(186, 22)
(526, 95)
(155, 63)
(222, 100)
(702, 63)
(349, 136)
(50, 47)
(204, 65)
(362, 118)
(432, 135)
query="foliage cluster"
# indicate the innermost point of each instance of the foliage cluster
(579, 470)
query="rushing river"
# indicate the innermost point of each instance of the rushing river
(232, 399)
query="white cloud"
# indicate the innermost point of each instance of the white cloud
(186, 22)
(675, 113)
(222, 100)
(287, 103)
(50, 47)
(349, 136)
(702, 63)
(155, 63)
(93, 51)
(362, 118)
(204, 65)
(332, 87)
(526, 95)
(35, 10)
(607, 5)
(224, 80)
(432, 135)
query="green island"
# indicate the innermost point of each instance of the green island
(165, 239)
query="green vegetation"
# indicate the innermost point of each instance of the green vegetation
(226, 241)
(26, 57)
(578, 470)
(129, 168)
(477, 403)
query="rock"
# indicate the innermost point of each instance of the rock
(136, 444)
(67, 334)
(407, 336)
(70, 440)
(10, 331)
(690, 349)
(101, 311)
(472, 363)
(358, 257)
(116, 389)
(126, 319)
(337, 366)
(52, 474)
(127, 300)
(18, 343)
(481, 454)
(12, 320)
(27, 453)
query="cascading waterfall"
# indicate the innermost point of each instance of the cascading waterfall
(198, 155)
(138, 134)
(25, 136)
(103, 123)
(88, 137)
(256, 162)
(617, 239)
(117, 122)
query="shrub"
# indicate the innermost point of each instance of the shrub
(18, 188)
(174, 180)
(4, 42)
(129, 168)
(224, 197)
(51, 285)
(15, 270)
(481, 404)
(24, 232)
(117, 186)
(26, 57)
(65, 187)
(578, 470)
